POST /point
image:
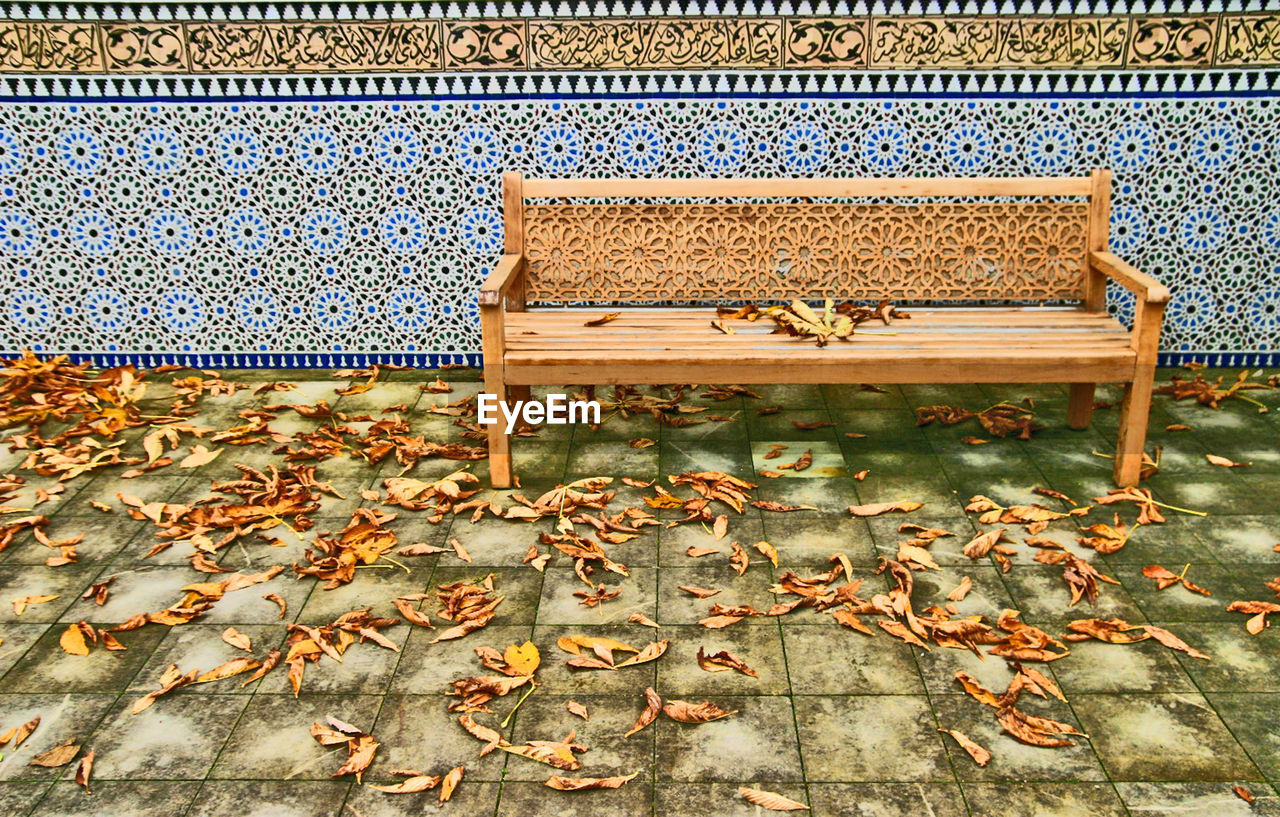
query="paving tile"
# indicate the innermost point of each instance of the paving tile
(103, 537)
(830, 495)
(140, 590)
(939, 666)
(62, 715)
(1165, 736)
(544, 717)
(471, 797)
(675, 606)
(18, 638)
(558, 676)
(858, 396)
(124, 798)
(729, 750)
(248, 607)
(276, 798)
(1240, 662)
(536, 800)
(370, 588)
(987, 596)
(612, 458)
(66, 582)
(1012, 760)
(718, 799)
(427, 668)
(47, 667)
(1175, 542)
(1196, 800)
(559, 606)
(1044, 799)
(1241, 539)
(760, 648)
(418, 732)
(886, 799)
(1251, 718)
(673, 542)
(1042, 595)
(826, 459)
(681, 455)
(491, 542)
(866, 738)
(172, 740)
(272, 740)
(837, 661)
(810, 538)
(520, 588)
(200, 647)
(19, 798)
(1176, 603)
(1095, 666)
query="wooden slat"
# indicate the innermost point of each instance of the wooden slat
(818, 188)
(1047, 367)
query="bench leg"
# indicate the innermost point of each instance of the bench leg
(1080, 405)
(1134, 412)
(517, 393)
(499, 442)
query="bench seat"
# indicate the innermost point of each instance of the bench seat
(936, 344)
(978, 251)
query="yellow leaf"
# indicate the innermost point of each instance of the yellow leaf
(199, 456)
(72, 641)
(523, 658)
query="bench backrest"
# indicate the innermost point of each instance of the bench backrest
(1021, 239)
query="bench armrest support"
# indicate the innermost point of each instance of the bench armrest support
(500, 282)
(1144, 286)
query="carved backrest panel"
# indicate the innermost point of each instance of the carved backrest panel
(925, 251)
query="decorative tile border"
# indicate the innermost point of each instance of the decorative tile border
(869, 42)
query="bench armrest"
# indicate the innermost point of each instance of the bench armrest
(500, 281)
(1144, 286)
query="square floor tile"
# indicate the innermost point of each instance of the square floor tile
(866, 738)
(757, 743)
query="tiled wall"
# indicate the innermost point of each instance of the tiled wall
(164, 192)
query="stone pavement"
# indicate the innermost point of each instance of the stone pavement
(844, 722)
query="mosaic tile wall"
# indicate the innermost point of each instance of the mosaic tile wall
(353, 220)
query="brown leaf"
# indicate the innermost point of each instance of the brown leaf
(779, 507)
(687, 712)
(414, 784)
(360, 752)
(1172, 641)
(602, 320)
(980, 756)
(698, 553)
(768, 551)
(450, 783)
(700, 592)
(268, 664)
(1214, 459)
(1032, 730)
(1243, 793)
(651, 652)
(412, 614)
(642, 619)
(980, 693)
(578, 709)
(770, 800)
(653, 705)
(849, 619)
(20, 605)
(875, 509)
(585, 783)
(278, 600)
(641, 442)
(720, 527)
(73, 640)
(233, 667)
(740, 560)
(58, 756)
(199, 456)
(981, 544)
(974, 441)
(84, 770)
(961, 590)
(724, 661)
(237, 639)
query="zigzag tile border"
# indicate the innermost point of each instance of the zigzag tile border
(1134, 41)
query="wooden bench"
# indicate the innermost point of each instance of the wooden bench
(1005, 247)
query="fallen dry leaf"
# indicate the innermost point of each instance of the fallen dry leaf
(980, 755)
(642, 619)
(450, 783)
(585, 783)
(58, 756)
(1214, 459)
(237, 639)
(770, 800)
(724, 661)
(875, 509)
(653, 706)
(687, 712)
(20, 605)
(603, 319)
(84, 771)
(578, 709)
